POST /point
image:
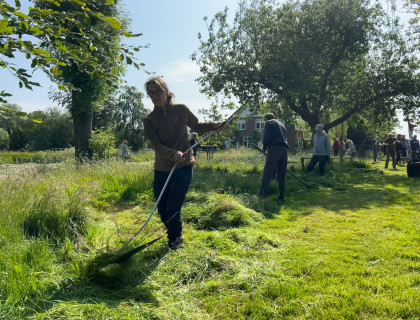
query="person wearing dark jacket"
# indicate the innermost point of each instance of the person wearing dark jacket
(275, 143)
(336, 146)
(391, 147)
(414, 143)
(398, 150)
(193, 141)
(166, 128)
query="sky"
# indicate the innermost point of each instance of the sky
(170, 28)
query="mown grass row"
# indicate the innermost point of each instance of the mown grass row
(345, 249)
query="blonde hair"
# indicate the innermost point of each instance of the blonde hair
(161, 84)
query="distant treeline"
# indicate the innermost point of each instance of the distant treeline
(55, 130)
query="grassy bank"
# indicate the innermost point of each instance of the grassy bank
(348, 248)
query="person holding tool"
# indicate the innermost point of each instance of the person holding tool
(391, 147)
(166, 128)
(322, 149)
(193, 142)
(275, 142)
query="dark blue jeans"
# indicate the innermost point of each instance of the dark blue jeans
(170, 204)
(375, 153)
(276, 162)
(315, 159)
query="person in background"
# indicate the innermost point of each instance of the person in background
(411, 127)
(275, 143)
(166, 128)
(391, 146)
(322, 149)
(124, 150)
(351, 150)
(398, 149)
(193, 141)
(342, 147)
(336, 146)
(375, 148)
(414, 143)
(404, 147)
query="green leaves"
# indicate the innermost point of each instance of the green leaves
(20, 15)
(40, 52)
(70, 33)
(314, 59)
(81, 3)
(5, 28)
(114, 23)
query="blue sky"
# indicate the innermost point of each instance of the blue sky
(170, 28)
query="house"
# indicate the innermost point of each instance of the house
(249, 129)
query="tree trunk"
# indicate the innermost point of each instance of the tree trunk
(82, 125)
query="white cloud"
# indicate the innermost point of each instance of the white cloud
(180, 71)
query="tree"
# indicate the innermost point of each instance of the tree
(103, 116)
(91, 83)
(128, 117)
(123, 113)
(13, 121)
(4, 139)
(71, 37)
(55, 131)
(326, 60)
(413, 6)
(30, 32)
(213, 114)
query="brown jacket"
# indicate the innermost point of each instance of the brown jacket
(166, 128)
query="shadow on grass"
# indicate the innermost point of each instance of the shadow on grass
(341, 192)
(344, 188)
(112, 285)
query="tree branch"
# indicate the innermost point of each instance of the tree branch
(334, 62)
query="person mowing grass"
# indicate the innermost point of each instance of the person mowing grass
(322, 149)
(275, 142)
(166, 128)
(391, 147)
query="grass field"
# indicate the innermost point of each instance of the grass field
(348, 248)
(48, 156)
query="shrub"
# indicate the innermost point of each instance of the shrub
(4, 139)
(102, 144)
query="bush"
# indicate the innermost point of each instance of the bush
(4, 139)
(102, 144)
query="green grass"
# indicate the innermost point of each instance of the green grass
(15, 157)
(48, 156)
(348, 248)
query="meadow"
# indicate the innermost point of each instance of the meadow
(346, 248)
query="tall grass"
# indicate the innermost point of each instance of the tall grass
(15, 157)
(345, 249)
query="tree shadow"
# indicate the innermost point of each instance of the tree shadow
(343, 196)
